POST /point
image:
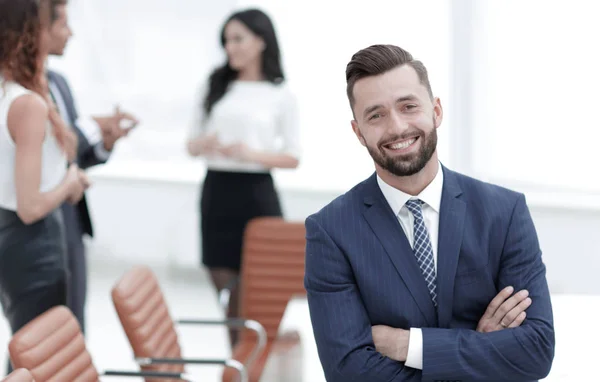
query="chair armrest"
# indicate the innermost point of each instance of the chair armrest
(146, 361)
(147, 374)
(237, 323)
(225, 293)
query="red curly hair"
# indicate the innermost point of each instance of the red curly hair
(21, 58)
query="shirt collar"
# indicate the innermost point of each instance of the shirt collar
(431, 195)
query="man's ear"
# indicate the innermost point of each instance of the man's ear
(357, 132)
(438, 112)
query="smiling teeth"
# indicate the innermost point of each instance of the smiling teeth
(402, 145)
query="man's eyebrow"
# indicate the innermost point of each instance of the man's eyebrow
(371, 109)
(409, 97)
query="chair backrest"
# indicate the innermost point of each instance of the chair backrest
(272, 270)
(52, 348)
(19, 375)
(145, 317)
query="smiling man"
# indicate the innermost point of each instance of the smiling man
(421, 273)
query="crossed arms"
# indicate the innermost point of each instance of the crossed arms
(344, 336)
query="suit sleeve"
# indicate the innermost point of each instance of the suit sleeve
(340, 322)
(87, 154)
(522, 353)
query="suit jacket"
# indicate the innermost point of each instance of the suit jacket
(361, 271)
(86, 157)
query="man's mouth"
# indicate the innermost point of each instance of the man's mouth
(401, 145)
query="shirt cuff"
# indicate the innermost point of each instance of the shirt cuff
(90, 129)
(101, 153)
(414, 358)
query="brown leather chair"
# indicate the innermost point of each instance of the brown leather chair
(145, 317)
(272, 273)
(19, 375)
(53, 349)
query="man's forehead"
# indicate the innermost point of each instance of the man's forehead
(397, 82)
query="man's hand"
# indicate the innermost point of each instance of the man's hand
(505, 311)
(113, 127)
(391, 342)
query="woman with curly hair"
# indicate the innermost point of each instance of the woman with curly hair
(35, 178)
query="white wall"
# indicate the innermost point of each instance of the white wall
(536, 83)
(318, 38)
(147, 55)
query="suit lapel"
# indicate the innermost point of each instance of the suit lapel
(388, 230)
(65, 94)
(452, 217)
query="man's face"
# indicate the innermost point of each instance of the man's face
(396, 120)
(59, 32)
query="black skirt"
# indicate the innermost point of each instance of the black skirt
(32, 257)
(228, 201)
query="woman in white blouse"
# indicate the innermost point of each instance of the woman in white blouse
(34, 177)
(245, 124)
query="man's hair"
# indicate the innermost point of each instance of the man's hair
(53, 11)
(378, 59)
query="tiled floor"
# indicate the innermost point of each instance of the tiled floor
(189, 295)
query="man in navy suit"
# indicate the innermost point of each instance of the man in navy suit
(420, 273)
(96, 138)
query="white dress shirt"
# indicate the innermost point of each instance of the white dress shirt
(261, 114)
(88, 127)
(432, 198)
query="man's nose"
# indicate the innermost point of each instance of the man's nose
(398, 124)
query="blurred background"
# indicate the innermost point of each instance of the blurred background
(518, 81)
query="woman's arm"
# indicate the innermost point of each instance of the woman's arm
(242, 152)
(289, 131)
(27, 119)
(273, 160)
(199, 143)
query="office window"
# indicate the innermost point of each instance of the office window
(318, 39)
(152, 55)
(536, 93)
(147, 56)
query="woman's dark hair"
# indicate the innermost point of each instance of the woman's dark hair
(260, 24)
(20, 36)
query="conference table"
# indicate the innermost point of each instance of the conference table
(294, 357)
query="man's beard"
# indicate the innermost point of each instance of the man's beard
(405, 165)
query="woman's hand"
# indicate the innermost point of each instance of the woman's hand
(75, 184)
(204, 145)
(65, 135)
(78, 183)
(238, 151)
(70, 145)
